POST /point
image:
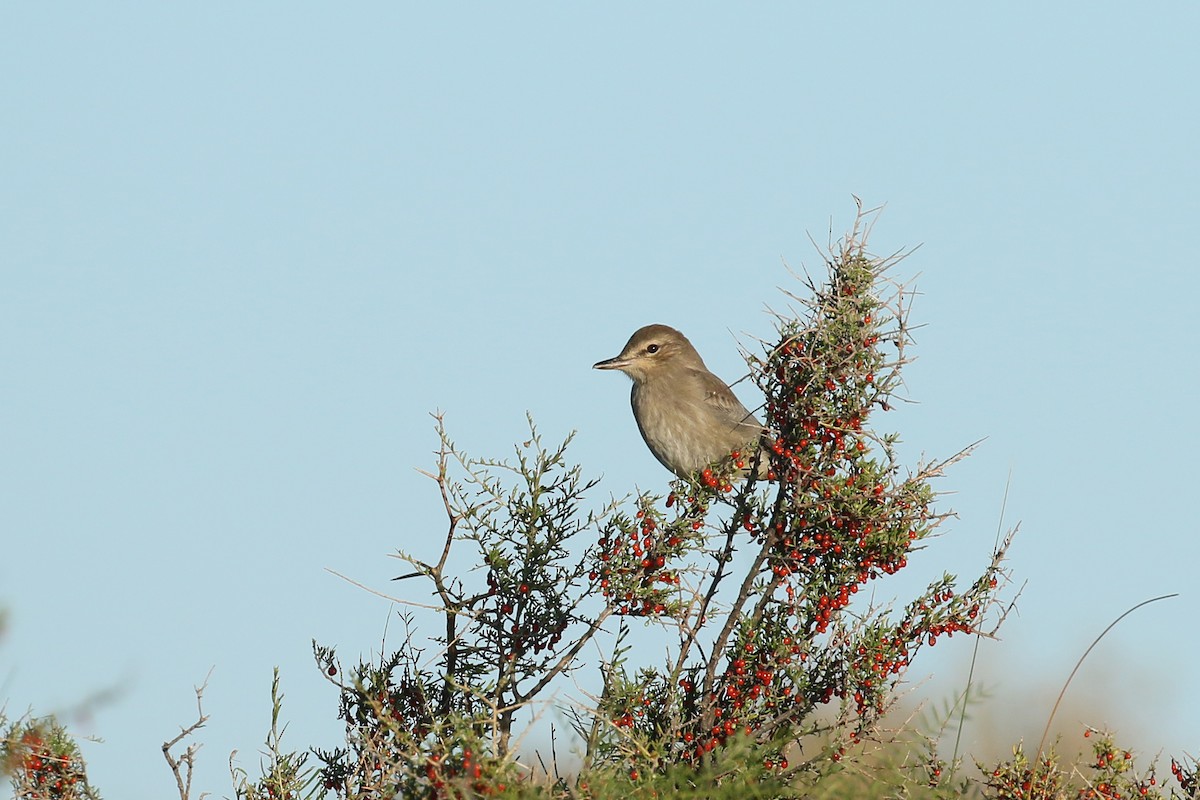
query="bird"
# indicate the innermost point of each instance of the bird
(689, 418)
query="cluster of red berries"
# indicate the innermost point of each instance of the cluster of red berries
(842, 371)
(631, 569)
(1187, 778)
(636, 709)
(516, 617)
(763, 678)
(650, 709)
(840, 558)
(407, 704)
(47, 770)
(832, 364)
(696, 747)
(811, 448)
(1115, 778)
(943, 613)
(771, 668)
(721, 483)
(1018, 781)
(447, 775)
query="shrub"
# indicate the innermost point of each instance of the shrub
(775, 670)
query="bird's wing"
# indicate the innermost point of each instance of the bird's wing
(718, 396)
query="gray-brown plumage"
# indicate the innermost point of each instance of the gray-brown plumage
(689, 417)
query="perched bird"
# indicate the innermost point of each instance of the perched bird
(689, 417)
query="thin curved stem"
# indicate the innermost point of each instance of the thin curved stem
(1079, 664)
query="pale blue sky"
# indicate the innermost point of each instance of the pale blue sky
(245, 250)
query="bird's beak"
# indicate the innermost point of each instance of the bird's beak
(611, 363)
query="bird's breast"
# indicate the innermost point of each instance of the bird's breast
(684, 431)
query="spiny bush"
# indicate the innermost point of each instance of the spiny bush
(754, 581)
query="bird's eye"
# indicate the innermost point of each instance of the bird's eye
(651, 348)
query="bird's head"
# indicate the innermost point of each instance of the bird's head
(653, 351)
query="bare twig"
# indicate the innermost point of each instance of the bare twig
(184, 766)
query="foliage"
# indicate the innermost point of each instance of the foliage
(43, 761)
(754, 580)
(284, 774)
